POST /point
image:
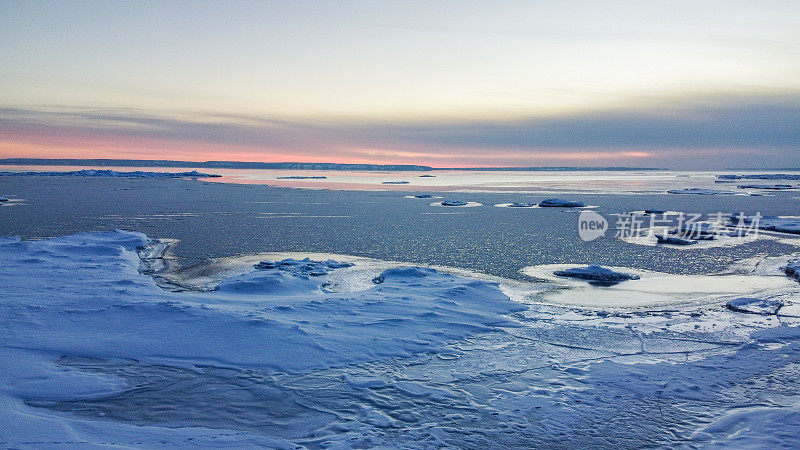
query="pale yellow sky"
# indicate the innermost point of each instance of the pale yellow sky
(392, 62)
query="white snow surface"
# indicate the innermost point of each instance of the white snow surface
(95, 354)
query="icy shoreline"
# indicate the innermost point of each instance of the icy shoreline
(95, 352)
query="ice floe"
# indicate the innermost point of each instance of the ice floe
(394, 182)
(423, 196)
(560, 203)
(673, 240)
(456, 204)
(789, 225)
(770, 187)
(596, 274)
(766, 176)
(302, 177)
(687, 231)
(700, 191)
(516, 205)
(9, 200)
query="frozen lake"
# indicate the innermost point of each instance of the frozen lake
(539, 181)
(480, 346)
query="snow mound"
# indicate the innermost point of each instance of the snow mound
(596, 274)
(755, 305)
(90, 300)
(557, 202)
(111, 174)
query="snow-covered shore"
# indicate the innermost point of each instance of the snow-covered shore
(95, 353)
(108, 173)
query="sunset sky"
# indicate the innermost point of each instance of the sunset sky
(711, 84)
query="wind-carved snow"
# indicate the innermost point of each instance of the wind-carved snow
(93, 352)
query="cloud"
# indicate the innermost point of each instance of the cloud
(735, 131)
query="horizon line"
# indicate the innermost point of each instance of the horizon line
(221, 164)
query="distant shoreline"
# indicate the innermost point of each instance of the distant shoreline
(286, 165)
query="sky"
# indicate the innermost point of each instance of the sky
(677, 84)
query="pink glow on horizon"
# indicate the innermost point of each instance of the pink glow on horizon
(83, 147)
